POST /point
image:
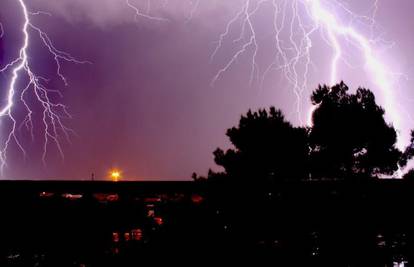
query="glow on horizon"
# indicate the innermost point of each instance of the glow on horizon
(115, 175)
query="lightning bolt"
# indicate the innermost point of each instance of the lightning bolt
(1, 31)
(195, 4)
(303, 21)
(146, 15)
(380, 74)
(34, 89)
(296, 24)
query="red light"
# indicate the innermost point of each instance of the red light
(159, 220)
(152, 199)
(127, 236)
(197, 199)
(115, 237)
(46, 194)
(136, 234)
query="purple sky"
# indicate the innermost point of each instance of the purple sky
(146, 104)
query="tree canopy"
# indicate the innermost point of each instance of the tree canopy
(409, 175)
(349, 138)
(349, 135)
(265, 146)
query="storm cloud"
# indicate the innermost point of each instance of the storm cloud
(146, 104)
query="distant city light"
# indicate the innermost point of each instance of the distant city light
(72, 196)
(115, 175)
(159, 220)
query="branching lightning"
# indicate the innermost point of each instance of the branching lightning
(146, 15)
(304, 21)
(298, 26)
(25, 81)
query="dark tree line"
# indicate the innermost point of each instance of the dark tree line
(349, 139)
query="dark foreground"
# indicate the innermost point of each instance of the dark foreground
(126, 223)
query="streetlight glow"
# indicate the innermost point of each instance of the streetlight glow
(115, 175)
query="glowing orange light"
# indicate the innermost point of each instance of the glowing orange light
(115, 175)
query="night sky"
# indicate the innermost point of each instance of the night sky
(146, 104)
